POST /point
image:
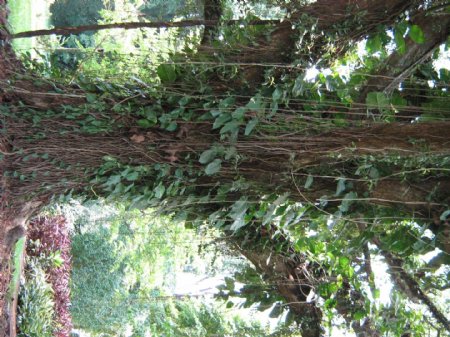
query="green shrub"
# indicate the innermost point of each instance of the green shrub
(36, 307)
(66, 13)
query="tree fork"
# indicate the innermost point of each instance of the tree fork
(409, 285)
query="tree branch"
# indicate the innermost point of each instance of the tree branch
(409, 285)
(136, 25)
(399, 66)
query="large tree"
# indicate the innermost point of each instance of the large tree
(235, 125)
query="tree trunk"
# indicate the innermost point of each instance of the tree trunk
(292, 283)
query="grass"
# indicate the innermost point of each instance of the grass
(26, 15)
(20, 19)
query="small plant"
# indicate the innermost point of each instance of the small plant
(36, 309)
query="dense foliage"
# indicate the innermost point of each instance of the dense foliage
(126, 267)
(36, 311)
(313, 178)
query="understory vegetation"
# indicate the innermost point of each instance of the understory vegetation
(297, 149)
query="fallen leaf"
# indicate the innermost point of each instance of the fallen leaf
(137, 138)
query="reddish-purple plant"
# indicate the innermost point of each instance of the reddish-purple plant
(53, 237)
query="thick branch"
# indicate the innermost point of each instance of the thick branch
(212, 12)
(399, 66)
(135, 25)
(409, 285)
(291, 284)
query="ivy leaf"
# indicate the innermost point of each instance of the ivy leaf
(226, 102)
(349, 198)
(150, 115)
(166, 72)
(330, 303)
(344, 262)
(359, 315)
(276, 311)
(221, 120)
(145, 123)
(445, 215)
(277, 94)
(237, 213)
(91, 98)
(340, 186)
(374, 44)
(132, 176)
(159, 191)
(281, 199)
(309, 181)
(299, 83)
(250, 126)
(239, 113)
(377, 100)
(208, 155)
(230, 126)
(416, 34)
(213, 167)
(255, 103)
(399, 41)
(113, 180)
(172, 126)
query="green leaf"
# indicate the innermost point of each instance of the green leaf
(374, 44)
(166, 72)
(91, 98)
(250, 126)
(113, 180)
(208, 155)
(281, 199)
(299, 83)
(340, 186)
(377, 100)
(145, 123)
(230, 152)
(132, 176)
(213, 167)
(255, 103)
(226, 102)
(159, 191)
(277, 94)
(309, 181)
(399, 41)
(349, 198)
(398, 101)
(215, 113)
(359, 315)
(239, 113)
(416, 34)
(172, 126)
(230, 126)
(237, 213)
(344, 262)
(445, 215)
(276, 311)
(150, 114)
(221, 120)
(330, 303)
